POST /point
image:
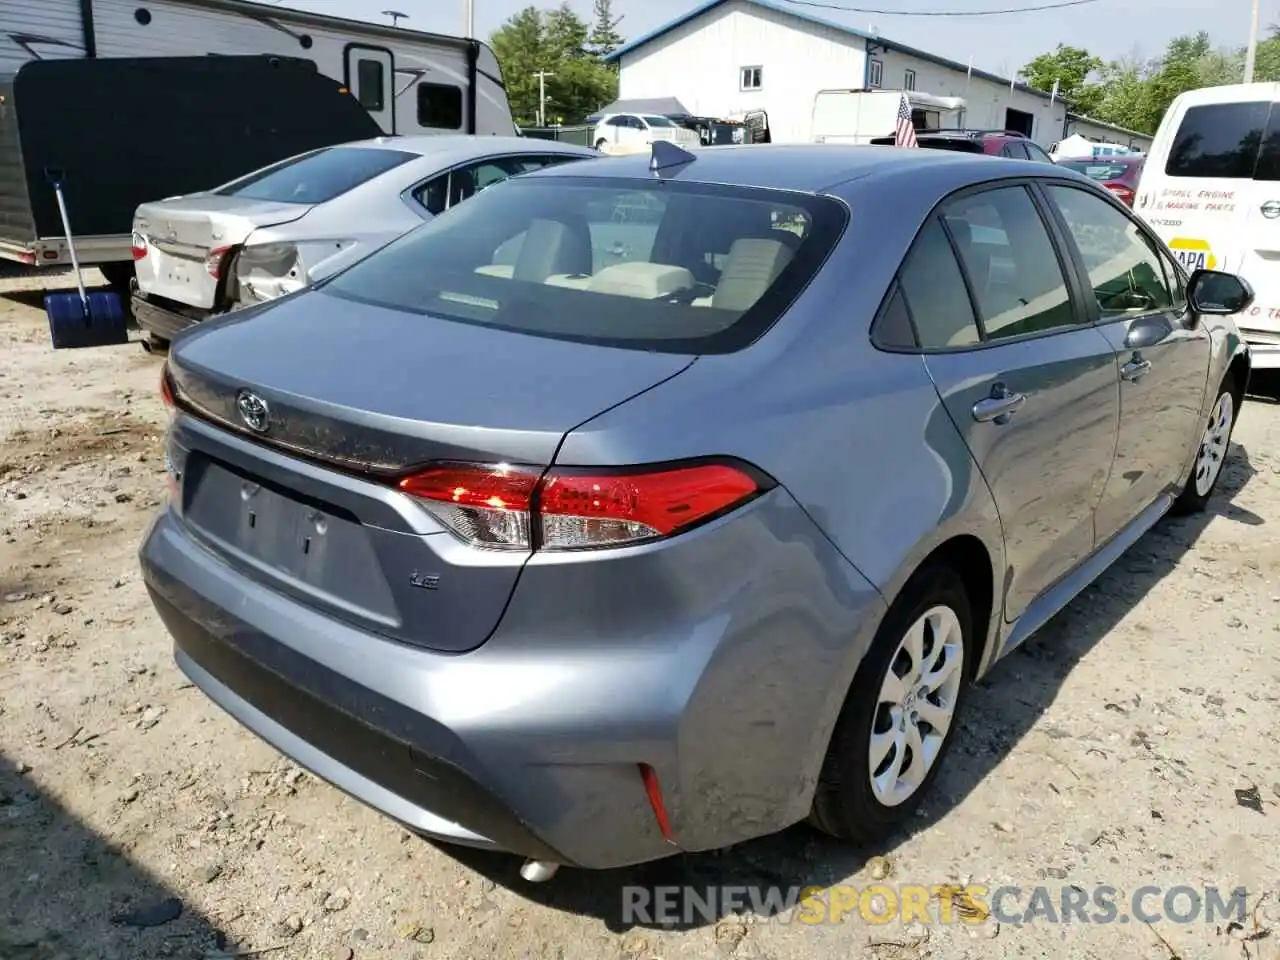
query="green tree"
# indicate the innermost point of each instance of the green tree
(1266, 65)
(554, 42)
(605, 37)
(1070, 68)
(518, 45)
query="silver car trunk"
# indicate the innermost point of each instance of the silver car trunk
(371, 393)
(182, 233)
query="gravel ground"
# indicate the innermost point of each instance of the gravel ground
(1134, 742)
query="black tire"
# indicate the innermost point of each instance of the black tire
(600, 143)
(119, 276)
(1193, 500)
(155, 345)
(845, 805)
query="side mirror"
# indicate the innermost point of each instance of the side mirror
(1217, 293)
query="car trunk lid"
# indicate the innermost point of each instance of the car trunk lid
(187, 241)
(309, 507)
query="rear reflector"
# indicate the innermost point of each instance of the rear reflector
(519, 508)
(653, 790)
(139, 246)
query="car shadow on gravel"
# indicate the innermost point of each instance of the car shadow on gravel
(1002, 709)
(66, 892)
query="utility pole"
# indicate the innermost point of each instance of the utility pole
(469, 18)
(542, 96)
(1251, 52)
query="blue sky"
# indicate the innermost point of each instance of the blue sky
(1109, 28)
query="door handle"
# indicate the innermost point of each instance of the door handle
(1135, 368)
(1000, 407)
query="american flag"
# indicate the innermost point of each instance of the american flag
(905, 135)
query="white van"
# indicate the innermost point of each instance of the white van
(1211, 190)
(859, 116)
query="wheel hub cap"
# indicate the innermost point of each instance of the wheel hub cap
(916, 705)
(1213, 445)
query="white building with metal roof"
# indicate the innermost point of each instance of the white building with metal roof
(728, 57)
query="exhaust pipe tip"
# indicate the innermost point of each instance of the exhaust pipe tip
(538, 871)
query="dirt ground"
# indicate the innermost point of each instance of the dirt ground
(1133, 743)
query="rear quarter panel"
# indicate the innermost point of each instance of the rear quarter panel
(859, 437)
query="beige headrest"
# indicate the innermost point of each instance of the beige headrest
(752, 265)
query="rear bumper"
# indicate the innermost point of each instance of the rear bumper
(165, 322)
(1264, 354)
(530, 744)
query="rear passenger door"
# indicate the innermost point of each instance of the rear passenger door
(1027, 381)
(1137, 297)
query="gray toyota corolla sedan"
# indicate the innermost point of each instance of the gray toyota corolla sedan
(656, 503)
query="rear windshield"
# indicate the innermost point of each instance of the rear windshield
(658, 122)
(959, 144)
(1223, 140)
(669, 266)
(1096, 171)
(315, 177)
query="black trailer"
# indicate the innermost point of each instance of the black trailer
(123, 131)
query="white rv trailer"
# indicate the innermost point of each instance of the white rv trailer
(410, 82)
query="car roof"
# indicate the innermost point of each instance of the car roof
(807, 168)
(450, 148)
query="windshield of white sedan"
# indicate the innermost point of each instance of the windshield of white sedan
(316, 177)
(667, 265)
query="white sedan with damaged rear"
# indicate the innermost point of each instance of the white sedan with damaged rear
(279, 229)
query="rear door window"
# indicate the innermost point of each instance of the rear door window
(1010, 261)
(1219, 140)
(688, 268)
(316, 177)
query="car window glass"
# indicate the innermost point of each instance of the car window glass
(1010, 261)
(892, 327)
(1218, 140)
(466, 182)
(1036, 153)
(434, 194)
(935, 292)
(1124, 269)
(1016, 150)
(1268, 167)
(316, 177)
(614, 260)
(616, 122)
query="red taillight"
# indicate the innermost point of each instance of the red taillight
(139, 246)
(166, 389)
(506, 507)
(215, 260)
(1123, 193)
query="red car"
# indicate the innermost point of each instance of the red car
(994, 143)
(1118, 174)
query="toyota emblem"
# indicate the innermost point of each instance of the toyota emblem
(1271, 209)
(253, 411)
